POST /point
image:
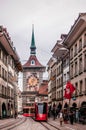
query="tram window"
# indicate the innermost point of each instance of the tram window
(32, 110)
(41, 108)
(25, 111)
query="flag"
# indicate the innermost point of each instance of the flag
(69, 90)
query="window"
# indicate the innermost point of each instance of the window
(85, 84)
(75, 49)
(81, 84)
(80, 44)
(71, 71)
(76, 68)
(67, 76)
(64, 78)
(0, 70)
(0, 53)
(85, 40)
(71, 53)
(32, 62)
(80, 65)
(85, 62)
(76, 91)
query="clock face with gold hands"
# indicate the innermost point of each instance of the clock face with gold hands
(32, 81)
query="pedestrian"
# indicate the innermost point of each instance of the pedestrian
(77, 116)
(61, 117)
(54, 111)
(15, 114)
(49, 111)
(65, 117)
(71, 117)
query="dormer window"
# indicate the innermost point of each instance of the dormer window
(32, 62)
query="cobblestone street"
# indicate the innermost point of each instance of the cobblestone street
(30, 124)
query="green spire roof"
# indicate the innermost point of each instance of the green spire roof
(33, 47)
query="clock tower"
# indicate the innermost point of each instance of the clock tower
(32, 75)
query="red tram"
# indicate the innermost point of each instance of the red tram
(29, 111)
(41, 111)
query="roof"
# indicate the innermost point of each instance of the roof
(33, 47)
(76, 30)
(37, 63)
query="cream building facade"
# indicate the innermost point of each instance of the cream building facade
(70, 53)
(76, 41)
(9, 67)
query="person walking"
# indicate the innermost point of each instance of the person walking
(54, 111)
(65, 117)
(61, 117)
(15, 114)
(71, 117)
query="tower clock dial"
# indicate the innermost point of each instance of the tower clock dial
(32, 81)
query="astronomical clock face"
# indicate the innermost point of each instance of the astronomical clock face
(33, 80)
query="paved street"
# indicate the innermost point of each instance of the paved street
(68, 126)
(30, 124)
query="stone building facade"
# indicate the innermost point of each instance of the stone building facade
(76, 41)
(70, 53)
(9, 67)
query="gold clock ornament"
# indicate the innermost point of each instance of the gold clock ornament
(32, 81)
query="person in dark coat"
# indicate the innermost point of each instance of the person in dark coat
(65, 116)
(54, 111)
(71, 117)
(15, 114)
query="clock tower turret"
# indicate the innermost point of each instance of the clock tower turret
(32, 73)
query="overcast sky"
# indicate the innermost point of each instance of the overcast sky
(51, 18)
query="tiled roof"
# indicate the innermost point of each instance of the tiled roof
(28, 63)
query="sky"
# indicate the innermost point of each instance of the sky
(51, 18)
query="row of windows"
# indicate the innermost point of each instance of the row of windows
(80, 87)
(6, 91)
(65, 77)
(3, 73)
(59, 94)
(78, 66)
(81, 43)
(6, 59)
(59, 82)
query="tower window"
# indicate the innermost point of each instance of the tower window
(32, 62)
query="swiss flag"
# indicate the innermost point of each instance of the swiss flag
(69, 90)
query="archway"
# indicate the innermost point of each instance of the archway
(74, 105)
(4, 112)
(83, 104)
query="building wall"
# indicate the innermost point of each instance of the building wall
(78, 68)
(8, 76)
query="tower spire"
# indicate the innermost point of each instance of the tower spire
(33, 47)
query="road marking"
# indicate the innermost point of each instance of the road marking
(69, 128)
